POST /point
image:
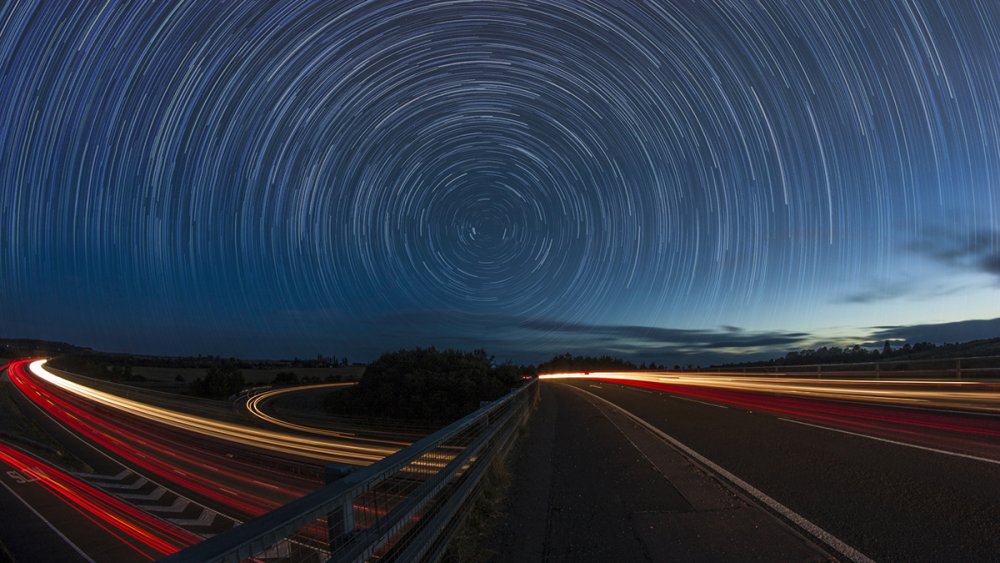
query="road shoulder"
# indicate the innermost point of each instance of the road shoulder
(591, 485)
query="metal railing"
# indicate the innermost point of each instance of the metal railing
(974, 367)
(402, 508)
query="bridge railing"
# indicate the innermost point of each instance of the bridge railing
(402, 508)
(975, 367)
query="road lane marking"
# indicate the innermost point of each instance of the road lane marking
(178, 506)
(800, 521)
(702, 402)
(896, 442)
(99, 477)
(153, 496)
(20, 478)
(134, 486)
(85, 443)
(204, 519)
(47, 523)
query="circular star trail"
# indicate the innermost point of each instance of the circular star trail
(263, 164)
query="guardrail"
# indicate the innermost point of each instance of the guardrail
(402, 508)
(974, 367)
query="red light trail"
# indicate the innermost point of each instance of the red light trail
(147, 535)
(961, 417)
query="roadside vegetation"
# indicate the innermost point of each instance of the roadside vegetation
(570, 363)
(425, 384)
(473, 540)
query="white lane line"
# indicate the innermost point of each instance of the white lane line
(47, 523)
(800, 521)
(888, 441)
(697, 401)
(98, 451)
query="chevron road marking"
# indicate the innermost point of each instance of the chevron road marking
(153, 496)
(180, 503)
(206, 519)
(99, 477)
(142, 482)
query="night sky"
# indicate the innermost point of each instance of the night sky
(668, 180)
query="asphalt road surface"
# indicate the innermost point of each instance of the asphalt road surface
(890, 501)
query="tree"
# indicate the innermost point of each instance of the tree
(569, 363)
(425, 383)
(222, 380)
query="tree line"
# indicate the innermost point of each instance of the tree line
(888, 351)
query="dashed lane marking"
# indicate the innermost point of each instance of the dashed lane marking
(700, 402)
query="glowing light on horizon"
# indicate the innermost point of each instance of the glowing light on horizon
(982, 396)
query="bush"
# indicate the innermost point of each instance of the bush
(425, 384)
(221, 381)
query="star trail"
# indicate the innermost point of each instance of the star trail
(274, 178)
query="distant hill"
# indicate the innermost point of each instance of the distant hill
(25, 347)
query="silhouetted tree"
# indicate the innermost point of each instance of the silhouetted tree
(222, 380)
(570, 363)
(425, 383)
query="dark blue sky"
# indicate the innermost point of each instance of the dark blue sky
(662, 180)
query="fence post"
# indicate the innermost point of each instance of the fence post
(878, 370)
(958, 369)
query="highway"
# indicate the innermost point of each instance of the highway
(896, 483)
(90, 523)
(898, 470)
(282, 443)
(201, 474)
(259, 406)
(235, 470)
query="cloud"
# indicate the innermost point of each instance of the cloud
(877, 292)
(532, 340)
(960, 331)
(725, 337)
(535, 339)
(978, 251)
